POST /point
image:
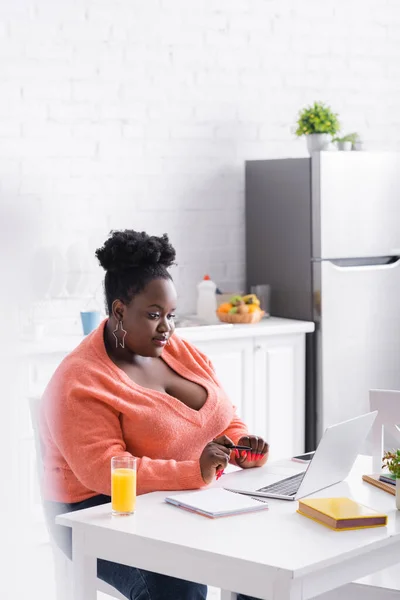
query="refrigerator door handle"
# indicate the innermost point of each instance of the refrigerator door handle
(360, 268)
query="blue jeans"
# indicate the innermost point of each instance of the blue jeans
(134, 584)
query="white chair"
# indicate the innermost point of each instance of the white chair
(385, 434)
(62, 564)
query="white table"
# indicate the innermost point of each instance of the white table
(273, 555)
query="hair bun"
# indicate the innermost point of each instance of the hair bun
(129, 249)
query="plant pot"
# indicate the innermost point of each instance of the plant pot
(398, 493)
(346, 146)
(317, 142)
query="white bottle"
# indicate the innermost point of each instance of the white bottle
(207, 300)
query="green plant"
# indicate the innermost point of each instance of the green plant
(391, 460)
(317, 118)
(350, 137)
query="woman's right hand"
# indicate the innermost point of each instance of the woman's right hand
(214, 457)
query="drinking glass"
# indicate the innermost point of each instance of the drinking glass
(263, 293)
(123, 485)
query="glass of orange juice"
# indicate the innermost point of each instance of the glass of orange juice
(123, 485)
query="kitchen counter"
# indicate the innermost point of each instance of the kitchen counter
(267, 327)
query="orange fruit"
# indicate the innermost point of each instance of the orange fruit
(225, 307)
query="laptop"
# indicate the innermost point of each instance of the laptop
(331, 463)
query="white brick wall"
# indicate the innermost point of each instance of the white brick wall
(128, 113)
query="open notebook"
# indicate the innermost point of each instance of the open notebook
(217, 502)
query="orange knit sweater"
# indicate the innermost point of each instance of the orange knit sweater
(91, 410)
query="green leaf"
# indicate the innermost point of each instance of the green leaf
(317, 118)
(350, 137)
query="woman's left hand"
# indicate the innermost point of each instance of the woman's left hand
(258, 455)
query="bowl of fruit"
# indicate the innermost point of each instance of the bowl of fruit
(241, 309)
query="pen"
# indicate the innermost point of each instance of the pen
(245, 451)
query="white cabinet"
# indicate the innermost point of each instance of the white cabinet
(279, 404)
(264, 376)
(233, 363)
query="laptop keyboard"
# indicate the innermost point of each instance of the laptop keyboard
(285, 487)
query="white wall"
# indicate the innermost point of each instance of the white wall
(140, 114)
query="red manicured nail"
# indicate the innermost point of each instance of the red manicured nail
(253, 456)
(244, 453)
(237, 453)
(259, 456)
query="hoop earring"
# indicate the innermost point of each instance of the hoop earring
(117, 330)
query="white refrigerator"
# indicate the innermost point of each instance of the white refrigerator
(325, 234)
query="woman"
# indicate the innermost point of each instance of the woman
(133, 388)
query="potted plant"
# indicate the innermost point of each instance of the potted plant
(347, 142)
(391, 461)
(319, 124)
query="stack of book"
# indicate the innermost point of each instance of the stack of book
(384, 481)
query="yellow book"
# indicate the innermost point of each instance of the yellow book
(341, 514)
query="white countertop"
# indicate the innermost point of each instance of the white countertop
(267, 327)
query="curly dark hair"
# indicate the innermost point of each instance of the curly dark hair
(131, 260)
